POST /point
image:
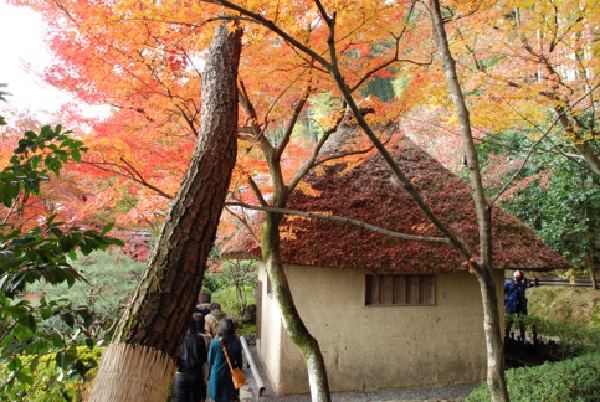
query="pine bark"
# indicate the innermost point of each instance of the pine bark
(156, 318)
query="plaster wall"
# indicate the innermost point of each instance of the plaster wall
(376, 347)
(271, 335)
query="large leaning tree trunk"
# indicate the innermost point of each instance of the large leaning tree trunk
(139, 364)
(484, 267)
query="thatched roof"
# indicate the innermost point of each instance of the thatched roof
(367, 190)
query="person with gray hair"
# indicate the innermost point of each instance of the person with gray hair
(515, 303)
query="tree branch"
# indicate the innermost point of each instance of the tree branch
(364, 225)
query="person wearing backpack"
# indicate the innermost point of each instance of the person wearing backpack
(189, 384)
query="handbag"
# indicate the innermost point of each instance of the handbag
(237, 375)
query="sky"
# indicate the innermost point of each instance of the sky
(23, 57)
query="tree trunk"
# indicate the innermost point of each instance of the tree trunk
(484, 269)
(306, 343)
(590, 252)
(592, 268)
(270, 245)
(139, 365)
(583, 146)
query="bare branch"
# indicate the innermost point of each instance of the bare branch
(136, 177)
(364, 225)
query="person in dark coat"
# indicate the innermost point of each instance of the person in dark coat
(202, 331)
(515, 302)
(221, 387)
(189, 384)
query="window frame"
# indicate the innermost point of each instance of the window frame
(400, 290)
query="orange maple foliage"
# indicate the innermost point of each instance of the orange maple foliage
(57, 196)
(145, 59)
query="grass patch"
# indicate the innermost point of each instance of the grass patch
(568, 304)
(230, 301)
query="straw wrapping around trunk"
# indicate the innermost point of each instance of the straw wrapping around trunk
(131, 373)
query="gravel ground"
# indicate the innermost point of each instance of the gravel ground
(249, 392)
(442, 394)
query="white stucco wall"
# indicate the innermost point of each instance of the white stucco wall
(271, 334)
(376, 347)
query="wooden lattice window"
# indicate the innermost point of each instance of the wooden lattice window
(400, 290)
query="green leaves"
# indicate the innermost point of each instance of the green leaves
(555, 195)
(45, 252)
(576, 379)
(35, 156)
(31, 325)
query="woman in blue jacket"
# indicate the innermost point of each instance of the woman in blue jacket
(221, 387)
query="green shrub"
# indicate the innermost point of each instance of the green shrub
(110, 279)
(246, 329)
(36, 246)
(574, 380)
(53, 377)
(32, 374)
(572, 338)
(211, 283)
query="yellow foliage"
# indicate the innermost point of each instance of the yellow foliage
(518, 63)
(307, 189)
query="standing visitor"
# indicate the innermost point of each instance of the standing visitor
(202, 328)
(221, 388)
(515, 302)
(212, 320)
(189, 384)
(207, 340)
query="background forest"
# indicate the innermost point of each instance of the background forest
(530, 76)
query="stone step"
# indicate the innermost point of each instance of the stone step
(246, 394)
